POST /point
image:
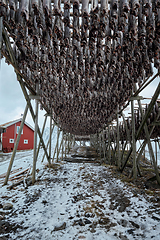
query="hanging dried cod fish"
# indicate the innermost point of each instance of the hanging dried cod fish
(3, 8)
(47, 7)
(47, 12)
(56, 7)
(25, 9)
(84, 73)
(13, 8)
(35, 6)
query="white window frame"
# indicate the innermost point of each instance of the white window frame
(25, 141)
(18, 127)
(11, 140)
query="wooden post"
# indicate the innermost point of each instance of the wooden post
(133, 141)
(42, 135)
(35, 137)
(74, 140)
(47, 143)
(114, 143)
(158, 143)
(59, 148)
(109, 144)
(65, 145)
(143, 124)
(156, 149)
(16, 145)
(128, 138)
(69, 142)
(100, 148)
(50, 137)
(118, 138)
(56, 147)
(58, 132)
(104, 146)
(62, 144)
(144, 154)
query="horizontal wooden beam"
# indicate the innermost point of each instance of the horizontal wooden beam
(155, 124)
(136, 98)
(37, 97)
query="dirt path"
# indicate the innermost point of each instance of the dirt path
(79, 201)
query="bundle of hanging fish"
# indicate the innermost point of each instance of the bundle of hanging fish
(125, 127)
(86, 55)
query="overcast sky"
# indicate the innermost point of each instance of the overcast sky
(12, 101)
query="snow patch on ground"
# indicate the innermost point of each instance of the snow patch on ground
(76, 201)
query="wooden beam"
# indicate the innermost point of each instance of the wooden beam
(35, 138)
(133, 141)
(136, 98)
(35, 97)
(155, 124)
(150, 145)
(42, 134)
(146, 84)
(16, 145)
(150, 107)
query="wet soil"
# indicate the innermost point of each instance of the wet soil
(145, 183)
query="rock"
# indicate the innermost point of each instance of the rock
(131, 231)
(7, 206)
(123, 237)
(60, 227)
(44, 202)
(87, 221)
(78, 222)
(1, 206)
(104, 221)
(155, 218)
(123, 222)
(89, 215)
(134, 224)
(71, 217)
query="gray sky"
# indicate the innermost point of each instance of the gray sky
(12, 101)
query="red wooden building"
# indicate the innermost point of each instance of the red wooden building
(10, 132)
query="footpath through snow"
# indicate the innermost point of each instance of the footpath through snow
(76, 201)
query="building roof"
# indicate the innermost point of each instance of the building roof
(8, 124)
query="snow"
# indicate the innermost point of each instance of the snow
(81, 198)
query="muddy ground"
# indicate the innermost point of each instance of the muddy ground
(83, 201)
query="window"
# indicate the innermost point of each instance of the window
(18, 127)
(25, 141)
(11, 140)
